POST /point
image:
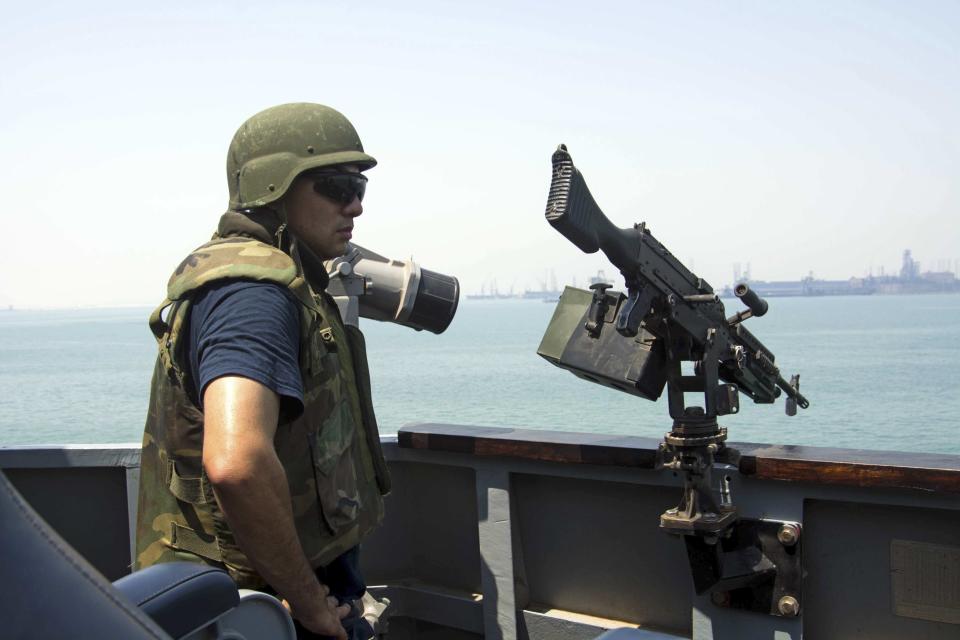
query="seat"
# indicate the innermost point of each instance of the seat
(50, 591)
(180, 596)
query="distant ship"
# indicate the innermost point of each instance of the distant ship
(547, 292)
(600, 277)
(492, 294)
(808, 286)
(551, 293)
(910, 280)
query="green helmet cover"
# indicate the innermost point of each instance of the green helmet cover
(276, 145)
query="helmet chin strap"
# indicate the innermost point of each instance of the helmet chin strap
(283, 232)
(280, 208)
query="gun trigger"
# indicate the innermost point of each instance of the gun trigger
(623, 318)
(633, 311)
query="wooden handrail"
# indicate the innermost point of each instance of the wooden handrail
(820, 465)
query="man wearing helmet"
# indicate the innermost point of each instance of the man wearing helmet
(260, 451)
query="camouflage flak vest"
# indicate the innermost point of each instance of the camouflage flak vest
(331, 453)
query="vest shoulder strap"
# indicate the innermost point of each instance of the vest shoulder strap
(231, 259)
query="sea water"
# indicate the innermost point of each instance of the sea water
(881, 372)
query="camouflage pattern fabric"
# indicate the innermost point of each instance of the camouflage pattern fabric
(326, 452)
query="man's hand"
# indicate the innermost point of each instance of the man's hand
(325, 619)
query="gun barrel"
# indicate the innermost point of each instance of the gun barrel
(749, 297)
(793, 392)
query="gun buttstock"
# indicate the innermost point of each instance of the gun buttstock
(571, 209)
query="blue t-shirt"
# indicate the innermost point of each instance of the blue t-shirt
(252, 329)
(248, 329)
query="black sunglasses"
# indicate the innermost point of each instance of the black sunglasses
(340, 187)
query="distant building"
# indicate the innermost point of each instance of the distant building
(939, 277)
(910, 269)
(910, 280)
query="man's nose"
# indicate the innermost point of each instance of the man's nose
(355, 208)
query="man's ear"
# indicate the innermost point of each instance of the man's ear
(280, 207)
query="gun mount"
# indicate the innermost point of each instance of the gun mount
(639, 343)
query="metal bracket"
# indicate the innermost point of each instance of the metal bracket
(727, 399)
(598, 309)
(759, 567)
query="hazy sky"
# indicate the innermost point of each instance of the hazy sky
(795, 136)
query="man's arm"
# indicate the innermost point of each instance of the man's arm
(240, 419)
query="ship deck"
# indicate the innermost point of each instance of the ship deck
(505, 533)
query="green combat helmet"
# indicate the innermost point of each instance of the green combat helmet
(270, 149)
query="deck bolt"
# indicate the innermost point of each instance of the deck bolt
(788, 606)
(720, 598)
(789, 534)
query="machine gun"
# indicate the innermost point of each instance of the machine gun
(670, 316)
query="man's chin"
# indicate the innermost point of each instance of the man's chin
(329, 251)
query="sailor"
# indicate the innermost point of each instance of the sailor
(260, 453)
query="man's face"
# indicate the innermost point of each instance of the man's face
(322, 222)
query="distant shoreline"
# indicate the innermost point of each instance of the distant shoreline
(113, 307)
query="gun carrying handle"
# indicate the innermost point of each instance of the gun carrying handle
(749, 297)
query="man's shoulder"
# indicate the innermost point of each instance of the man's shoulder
(231, 259)
(248, 329)
(232, 313)
(246, 294)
